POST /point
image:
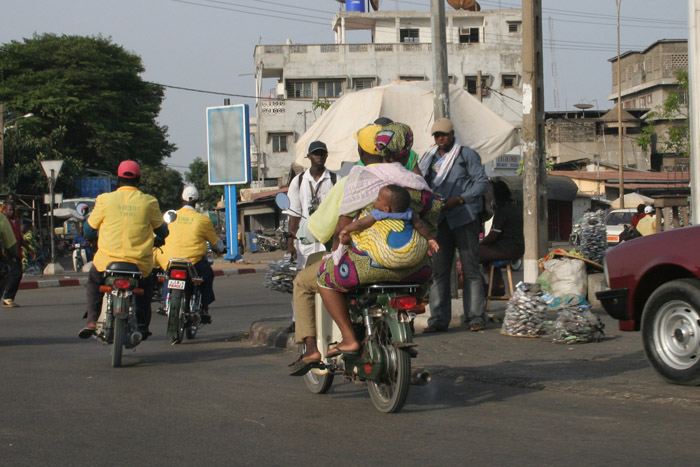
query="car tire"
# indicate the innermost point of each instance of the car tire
(671, 331)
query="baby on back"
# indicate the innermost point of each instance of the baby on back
(377, 232)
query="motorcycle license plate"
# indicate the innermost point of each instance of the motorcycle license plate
(173, 284)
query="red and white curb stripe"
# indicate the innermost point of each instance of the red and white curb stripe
(72, 282)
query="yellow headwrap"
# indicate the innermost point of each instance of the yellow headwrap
(365, 138)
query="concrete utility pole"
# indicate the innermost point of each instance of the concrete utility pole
(694, 106)
(441, 90)
(534, 164)
(621, 172)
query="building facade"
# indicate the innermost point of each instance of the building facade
(294, 82)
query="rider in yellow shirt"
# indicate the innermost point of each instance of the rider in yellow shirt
(189, 234)
(126, 220)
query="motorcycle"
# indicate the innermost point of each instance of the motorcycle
(271, 240)
(79, 256)
(183, 303)
(117, 324)
(381, 316)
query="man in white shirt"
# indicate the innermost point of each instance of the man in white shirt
(306, 191)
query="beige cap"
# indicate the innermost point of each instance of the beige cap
(441, 125)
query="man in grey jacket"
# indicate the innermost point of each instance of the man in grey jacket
(456, 173)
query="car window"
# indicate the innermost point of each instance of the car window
(615, 218)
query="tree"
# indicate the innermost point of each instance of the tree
(198, 175)
(163, 183)
(674, 111)
(91, 108)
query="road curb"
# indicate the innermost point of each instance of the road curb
(78, 281)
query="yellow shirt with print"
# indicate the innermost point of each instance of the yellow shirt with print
(125, 219)
(7, 236)
(188, 237)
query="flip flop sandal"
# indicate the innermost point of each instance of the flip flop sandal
(335, 352)
(301, 367)
(477, 327)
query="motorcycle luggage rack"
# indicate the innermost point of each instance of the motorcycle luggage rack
(184, 263)
(122, 267)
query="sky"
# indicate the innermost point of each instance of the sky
(206, 46)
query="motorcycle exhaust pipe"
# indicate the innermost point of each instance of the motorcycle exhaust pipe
(136, 338)
(420, 377)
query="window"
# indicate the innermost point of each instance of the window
(513, 28)
(298, 89)
(509, 81)
(470, 84)
(683, 96)
(468, 35)
(279, 143)
(330, 88)
(363, 83)
(409, 35)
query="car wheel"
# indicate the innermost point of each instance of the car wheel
(671, 331)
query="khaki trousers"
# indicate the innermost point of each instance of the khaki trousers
(304, 295)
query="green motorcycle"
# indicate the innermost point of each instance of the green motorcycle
(381, 316)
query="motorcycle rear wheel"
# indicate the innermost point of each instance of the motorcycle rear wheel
(389, 392)
(176, 316)
(118, 342)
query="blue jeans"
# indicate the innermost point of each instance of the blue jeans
(465, 239)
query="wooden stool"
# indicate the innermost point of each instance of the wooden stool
(507, 263)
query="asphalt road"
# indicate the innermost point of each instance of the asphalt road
(217, 400)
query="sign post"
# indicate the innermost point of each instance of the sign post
(52, 169)
(228, 157)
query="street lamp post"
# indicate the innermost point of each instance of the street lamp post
(4, 125)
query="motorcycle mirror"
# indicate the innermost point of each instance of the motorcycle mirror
(282, 201)
(169, 216)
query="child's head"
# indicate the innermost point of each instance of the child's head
(393, 198)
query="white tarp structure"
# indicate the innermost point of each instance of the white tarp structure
(409, 102)
(632, 200)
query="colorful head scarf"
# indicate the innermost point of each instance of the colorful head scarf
(365, 138)
(394, 139)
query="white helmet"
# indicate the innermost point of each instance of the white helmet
(190, 193)
(169, 216)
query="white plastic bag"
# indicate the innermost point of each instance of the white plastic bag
(567, 276)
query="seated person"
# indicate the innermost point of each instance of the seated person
(189, 234)
(505, 240)
(647, 224)
(639, 216)
(392, 203)
(356, 267)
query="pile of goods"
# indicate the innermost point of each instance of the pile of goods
(593, 238)
(576, 325)
(525, 312)
(280, 275)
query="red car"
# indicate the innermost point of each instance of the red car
(654, 285)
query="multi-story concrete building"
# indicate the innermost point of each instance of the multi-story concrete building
(295, 81)
(647, 79)
(648, 76)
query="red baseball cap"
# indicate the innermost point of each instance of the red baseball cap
(129, 169)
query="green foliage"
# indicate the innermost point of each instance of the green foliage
(163, 183)
(321, 103)
(198, 175)
(548, 164)
(91, 107)
(676, 139)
